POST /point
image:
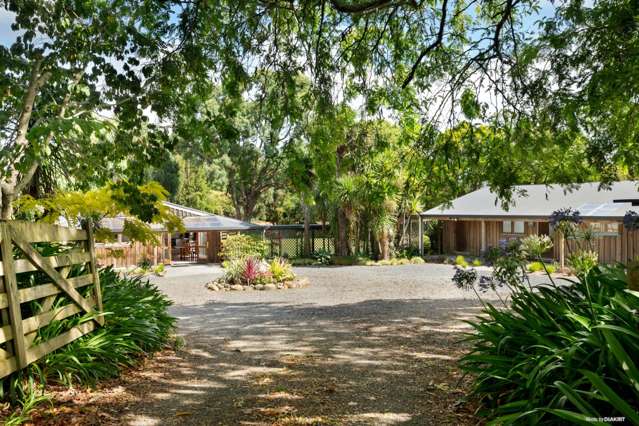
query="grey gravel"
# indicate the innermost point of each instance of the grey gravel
(360, 345)
(329, 285)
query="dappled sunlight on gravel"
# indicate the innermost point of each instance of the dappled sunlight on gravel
(360, 345)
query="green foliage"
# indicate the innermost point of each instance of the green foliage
(252, 270)
(73, 109)
(476, 262)
(202, 185)
(538, 266)
(461, 261)
(159, 269)
(137, 324)
(141, 205)
(348, 260)
(582, 261)
(241, 246)
(323, 257)
(559, 353)
(303, 261)
(417, 260)
(281, 270)
(535, 246)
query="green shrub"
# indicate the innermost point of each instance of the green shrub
(136, 325)
(583, 261)
(416, 260)
(323, 257)
(461, 261)
(281, 270)
(560, 353)
(348, 260)
(159, 270)
(145, 264)
(534, 246)
(476, 262)
(241, 246)
(303, 261)
(403, 261)
(539, 267)
(492, 254)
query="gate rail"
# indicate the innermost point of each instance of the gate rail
(25, 309)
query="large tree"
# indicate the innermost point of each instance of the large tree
(77, 86)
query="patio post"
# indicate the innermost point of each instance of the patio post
(483, 236)
(421, 235)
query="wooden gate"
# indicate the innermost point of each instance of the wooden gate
(63, 269)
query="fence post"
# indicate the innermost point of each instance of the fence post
(11, 287)
(90, 245)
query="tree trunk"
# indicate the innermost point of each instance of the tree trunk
(343, 246)
(6, 213)
(384, 244)
(374, 246)
(307, 230)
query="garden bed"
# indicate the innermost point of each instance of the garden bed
(253, 273)
(221, 285)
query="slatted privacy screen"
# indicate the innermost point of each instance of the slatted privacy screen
(47, 273)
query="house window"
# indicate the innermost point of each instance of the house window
(602, 229)
(513, 227)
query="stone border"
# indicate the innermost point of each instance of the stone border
(219, 285)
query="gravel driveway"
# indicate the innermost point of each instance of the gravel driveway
(360, 345)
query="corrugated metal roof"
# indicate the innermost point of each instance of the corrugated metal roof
(539, 201)
(195, 221)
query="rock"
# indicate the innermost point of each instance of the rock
(280, 286)
(259, 287)
(270, 287)
(237, 287)
(302, 282)
(213, 287)
(247, 287)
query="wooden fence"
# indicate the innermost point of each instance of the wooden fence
(63, 270)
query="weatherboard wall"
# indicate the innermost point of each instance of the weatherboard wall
(465, 237)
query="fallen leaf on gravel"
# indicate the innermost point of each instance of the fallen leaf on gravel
(183, 413)
(279, 411)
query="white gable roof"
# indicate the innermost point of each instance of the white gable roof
(540, 201)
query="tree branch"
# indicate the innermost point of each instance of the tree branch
(434, 45)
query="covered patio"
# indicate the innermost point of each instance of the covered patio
(200, 242)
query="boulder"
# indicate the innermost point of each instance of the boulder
(270, 287)
(237, 287)
(259, 287)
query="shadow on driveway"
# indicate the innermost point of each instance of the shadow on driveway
(375, 362)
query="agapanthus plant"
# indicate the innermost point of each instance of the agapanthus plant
(631, 220)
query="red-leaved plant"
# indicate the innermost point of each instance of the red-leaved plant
(251, 269)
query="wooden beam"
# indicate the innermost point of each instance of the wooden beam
(46, 267)
(44, 232)
(44, 290)
(71, 258)
(57, 342)
(11, 287)
(90, 243)
(420, 230)
(483, 236)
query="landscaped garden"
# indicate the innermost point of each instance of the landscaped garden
(322, 212)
